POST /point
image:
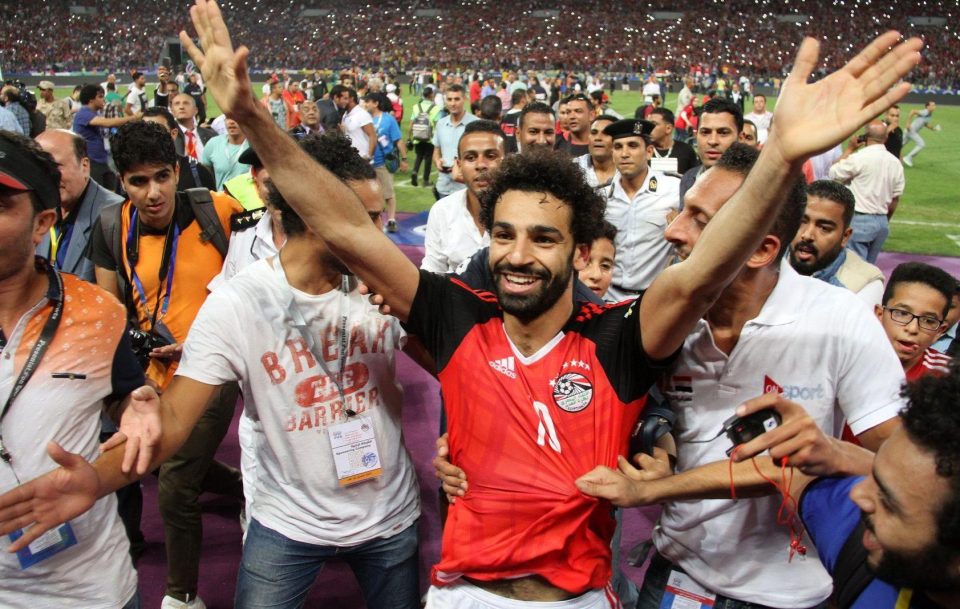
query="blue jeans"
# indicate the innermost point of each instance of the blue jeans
(655, 581)
(277, 572)
(869, 233)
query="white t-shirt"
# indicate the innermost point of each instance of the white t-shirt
(826, 351)
(136, 97)
(642, 250)
(651, 89)
(353, 123)
(244, 332)
(452, 235)
(762, 121)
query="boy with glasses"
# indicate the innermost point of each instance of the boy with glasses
(915, 304)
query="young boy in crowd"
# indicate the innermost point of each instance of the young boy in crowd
(913, 313)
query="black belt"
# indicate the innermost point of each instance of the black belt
(863, 213)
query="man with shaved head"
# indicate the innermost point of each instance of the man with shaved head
(81, 200)
(876, 178)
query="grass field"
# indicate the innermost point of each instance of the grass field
(927, 219)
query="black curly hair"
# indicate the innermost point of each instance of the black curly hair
(549, 172)
(334, 151)
(142, 143)
(932, 420)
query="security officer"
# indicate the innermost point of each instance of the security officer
(639, 201)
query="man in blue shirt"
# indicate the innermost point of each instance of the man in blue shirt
(446, 138)
(89, 124)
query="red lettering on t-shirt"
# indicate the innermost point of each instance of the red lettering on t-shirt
(271, 364)
(298, 349)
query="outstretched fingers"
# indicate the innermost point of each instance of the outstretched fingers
(806, 60)
(872, 53)
(890, 68)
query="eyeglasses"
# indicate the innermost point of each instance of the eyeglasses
(904, 318)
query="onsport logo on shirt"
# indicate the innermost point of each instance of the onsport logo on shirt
(572, 392)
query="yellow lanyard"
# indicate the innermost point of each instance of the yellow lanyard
(904, 598)
(54, 245)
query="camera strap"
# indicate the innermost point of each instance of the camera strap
(165, 272)
(55, 293)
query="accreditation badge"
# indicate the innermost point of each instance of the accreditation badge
(684, 593)
(355, 451)
(664, 165)
(47, 545)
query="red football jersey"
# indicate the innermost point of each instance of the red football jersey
(932, 362)
(525, 428)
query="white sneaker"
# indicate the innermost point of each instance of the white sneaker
(907, 161)
(171, 603)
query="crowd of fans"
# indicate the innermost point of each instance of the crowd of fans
(744, 36)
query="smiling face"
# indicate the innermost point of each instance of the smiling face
(900, 505)
(538, 129)
(152, 190)
(910, 340)
(601, 144)
(479, 154)
(821, 236)
(532, 253)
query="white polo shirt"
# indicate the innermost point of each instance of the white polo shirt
(642, 251)
(823, 349)
(452, 235)
(585, 163)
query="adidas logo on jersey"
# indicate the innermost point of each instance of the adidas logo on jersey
(504, 366)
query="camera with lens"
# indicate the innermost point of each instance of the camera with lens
(144, 342)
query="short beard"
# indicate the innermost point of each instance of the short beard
(528, 308)
(819, 263)
(929, 570)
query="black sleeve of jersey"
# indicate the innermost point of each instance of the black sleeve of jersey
(616, 331)
(444, 310)
(98, 250)
(477, 274)
(126, 374)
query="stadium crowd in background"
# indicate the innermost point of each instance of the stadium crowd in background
(190, 255)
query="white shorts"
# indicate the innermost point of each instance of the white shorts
(464, 595)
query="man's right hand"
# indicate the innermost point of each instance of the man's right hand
(452, 478)
(50, 500)
(140, 430)
(224, 69)
(798, 438)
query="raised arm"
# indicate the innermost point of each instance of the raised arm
(326, 205)
(810, 118)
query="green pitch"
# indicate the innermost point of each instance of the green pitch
(927, 220)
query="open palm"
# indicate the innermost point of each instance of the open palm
(813, 117)
(50, 500)
(224, 69)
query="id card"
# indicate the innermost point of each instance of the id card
(49, 544)
(684, 593)
(664, 164)
(355, 452)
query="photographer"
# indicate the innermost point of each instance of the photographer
(157, 252)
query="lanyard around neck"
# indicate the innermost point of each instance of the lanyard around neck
(343, 338)
(165, 272)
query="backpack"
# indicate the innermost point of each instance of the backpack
(421, 127)
(203, 209)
